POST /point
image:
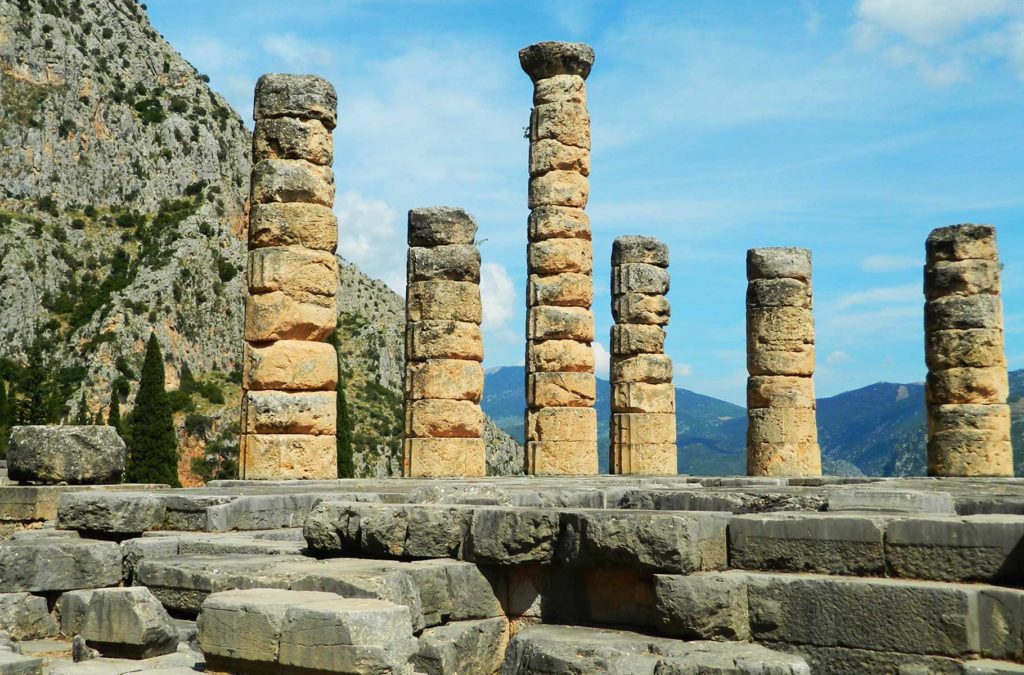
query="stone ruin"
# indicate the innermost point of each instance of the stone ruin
(783, 572)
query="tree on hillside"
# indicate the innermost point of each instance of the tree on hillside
(187, 382)
(6, 404)
(83, 412)
(114, 415)
(153, 445)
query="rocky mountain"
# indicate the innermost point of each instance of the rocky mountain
(877, 430)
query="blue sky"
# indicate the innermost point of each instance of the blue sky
(851, 127)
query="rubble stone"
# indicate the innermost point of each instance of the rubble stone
(128, 623)
(65, 454)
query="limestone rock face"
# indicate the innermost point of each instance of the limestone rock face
(128, 623)
(66, 454)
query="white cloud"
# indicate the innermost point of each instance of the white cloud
(881, 262)
(683, 370)
(885, 295)
(837, 357)
(498, 294)
(813, 21)
(369, 236)
(602, 361)
(929, 22)
(297, 53)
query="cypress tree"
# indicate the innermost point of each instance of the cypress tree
(4, 418)
(83, 412)
(114, 416)
(346, 468)
(187, 382)
(97, 420)
(153, 456)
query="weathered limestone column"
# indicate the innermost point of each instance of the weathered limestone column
(782, 433)
(444, 351)
(643, 424)
(561, 423)
(290, 374)
(967, 387)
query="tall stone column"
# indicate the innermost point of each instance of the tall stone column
(444, 351)
(643, 424)
(967, 387)
(290, 380)
(561, 423)
(782, 433)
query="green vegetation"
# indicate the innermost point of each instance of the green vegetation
(220, 462)
(346, 466)
(153, 445)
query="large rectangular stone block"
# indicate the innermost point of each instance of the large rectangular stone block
(560, 89)
(302, 96)
(639, 278)
(779, 293)
(643, 309)
(989, 422)
(512, 536)
(292, 180)
(444, 457)
(635, 249)
(967, 385)
(649, 368)
(285, 365)
(433, 339)
(560, 323)
(643, 428)
(296, 270)
(961, 277)
(706, 606)
(575, 390)
(988, 548)
(555, 256)
(559, 356)
(455, 262)
(782, 425)
(561, 458)
(780, 391)
(551, 155)
(962, 242)
(293, 224)
(632, 339)
(798, 361)
(437, 418)
(788, 459)
(562, 424)
(292, 138)
(642, 397)
(288, 456)
(58, 565)
(779, 263)
(443, 301)
(570, 289)
(645, 459)
(565, 122)
(453, 379)
(558, 222)
(559, 188)
(440, 226)
(779, 327)
(65, 454)
(278, 316)
(284, 412)
(960, 312)
(972, 348)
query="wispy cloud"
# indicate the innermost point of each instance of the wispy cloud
(880, 262)
(498, 294)
(837, 357)
(602, 360)
(369, 236)
(886, 295)
(297, 53)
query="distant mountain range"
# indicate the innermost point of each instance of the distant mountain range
(878, 430)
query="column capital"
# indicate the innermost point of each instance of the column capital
(547, 59)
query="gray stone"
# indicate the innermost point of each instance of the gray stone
(455, 262)
(462, 647)
(547, 59)
(440, 225)
(808, 542)
(71, 608)
(302, 96)
(843, 661)
(129, 623)
(58, 565)
(959, 312)
(661, 542)
(779, 263)
(972, 548)
(891, 501)
(15, 664)
(637, 249)
(1001, 622)
(65, 454)
(702, 606)
(961, 242)
(81, 651)
(453, 591)
(134, 551)
(640, 278)
(26, 617)
(504, 536)
(783, 292)
(990, 667)
(113, 512)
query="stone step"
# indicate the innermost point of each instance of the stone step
(829, 614)
(547, 649)
(48, 565)
(30, 503)
(462, 647)
(982, 548)
(16, 664)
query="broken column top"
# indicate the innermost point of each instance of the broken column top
(962, 242)
(547, 59)
(440, 226)
(637, 249)
(304, 96)
(779, 263)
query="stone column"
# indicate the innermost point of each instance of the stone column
(967, 387)
(444, 351)
(561, 423)
(782, 433)
(643, 424)
(290, 374)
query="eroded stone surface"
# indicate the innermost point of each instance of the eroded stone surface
(65, 454)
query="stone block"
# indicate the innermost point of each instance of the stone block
(555, 256)
(647, 540)
(644, 309)
(302, 96)
(443, 301)
(559, 188)
(789, 459)
(988, 422)
(559, 356)
(967, 385)
(65, 454)
(781, 328)
(290, 365)
(991, 667)
(289, 412)
(645, 459)
(641, 250)
(440, 418)
(781, 425)
(445, 457)
(112, 512)
(293, 224)
(551, 155)
(986, 548)
(642, 397)
(561, 458)
(643, 428)
(780, 391)
(573, 390)
(288, 456)
(633, 339)
(809, 542)
(558, 222)
(292, 180)
(440, 226)
(434, 339)
(293, 138)
(463, 647)
(639, 278)
(128, 623)
(968, 452)
(779, 263)
(455, 262)
(560, 323)
(58, 565)
(278, 316)
(798, 361)
(71, 609)
(972, 348)
(1001, 622)
(562, 424)
(559, 89)
(26, 617)
(550, 59)
(891, 501)
(16, 664)
(295, 270)
(962, 312)
(512, 536)
(565, 122)
(962, 242)
(782, 292)
(649, 368)
(452, 379)
(704, 606)
(844, 661)
(961, 277)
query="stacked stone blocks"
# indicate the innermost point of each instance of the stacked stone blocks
(967, 386)
(444, 347)
(782, 435)
(561, 423)
(643, 424)
(290, 377)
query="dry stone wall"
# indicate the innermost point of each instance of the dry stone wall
(643, 424)
(782, 434)
(561, 423)
(289, 403)
(444, 379)
(967, 387)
